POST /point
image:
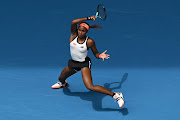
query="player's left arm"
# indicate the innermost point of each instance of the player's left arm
(91, 44)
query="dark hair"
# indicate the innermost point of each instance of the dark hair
(93, 26)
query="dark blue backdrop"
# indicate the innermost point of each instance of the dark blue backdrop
(136, 33)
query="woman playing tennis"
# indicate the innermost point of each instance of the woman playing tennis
(80, 43)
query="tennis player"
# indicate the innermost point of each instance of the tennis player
(80, 43)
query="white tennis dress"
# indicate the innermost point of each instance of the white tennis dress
(78, 51)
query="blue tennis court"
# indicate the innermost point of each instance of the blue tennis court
(142, 38)
(149, 94)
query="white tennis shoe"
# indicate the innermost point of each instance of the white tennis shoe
(119, 98)
(60, 85)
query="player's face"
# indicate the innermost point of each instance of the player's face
(82, 32)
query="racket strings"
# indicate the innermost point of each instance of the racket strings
(102, 12)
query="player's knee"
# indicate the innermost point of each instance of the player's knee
(90, 87)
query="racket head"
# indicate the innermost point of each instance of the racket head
(101, 12)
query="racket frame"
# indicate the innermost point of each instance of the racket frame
(97, 13)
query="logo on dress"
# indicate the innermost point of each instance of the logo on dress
(82, 46)
(74, 43)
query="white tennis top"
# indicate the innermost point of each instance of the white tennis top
(78, 51)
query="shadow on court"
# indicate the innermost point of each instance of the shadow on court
(97, 98)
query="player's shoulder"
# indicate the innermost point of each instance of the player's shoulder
(90, 42)
(72, 37)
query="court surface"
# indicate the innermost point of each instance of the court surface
(150, 94)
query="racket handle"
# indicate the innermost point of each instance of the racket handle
(89, 18)
(97, 14)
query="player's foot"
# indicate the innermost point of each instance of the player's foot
(60, 85)
(119, 98)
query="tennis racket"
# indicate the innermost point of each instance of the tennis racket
(101, 12)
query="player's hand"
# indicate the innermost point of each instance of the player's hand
(104, 56)
(93, 17)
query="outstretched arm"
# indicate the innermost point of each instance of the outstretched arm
(91, 44)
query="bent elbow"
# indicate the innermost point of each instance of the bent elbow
(73, 22)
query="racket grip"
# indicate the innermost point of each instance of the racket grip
(97, 14)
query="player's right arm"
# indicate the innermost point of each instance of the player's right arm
(74, 27)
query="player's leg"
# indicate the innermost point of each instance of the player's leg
(65, 74)
(87, 79)
(62, 78)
